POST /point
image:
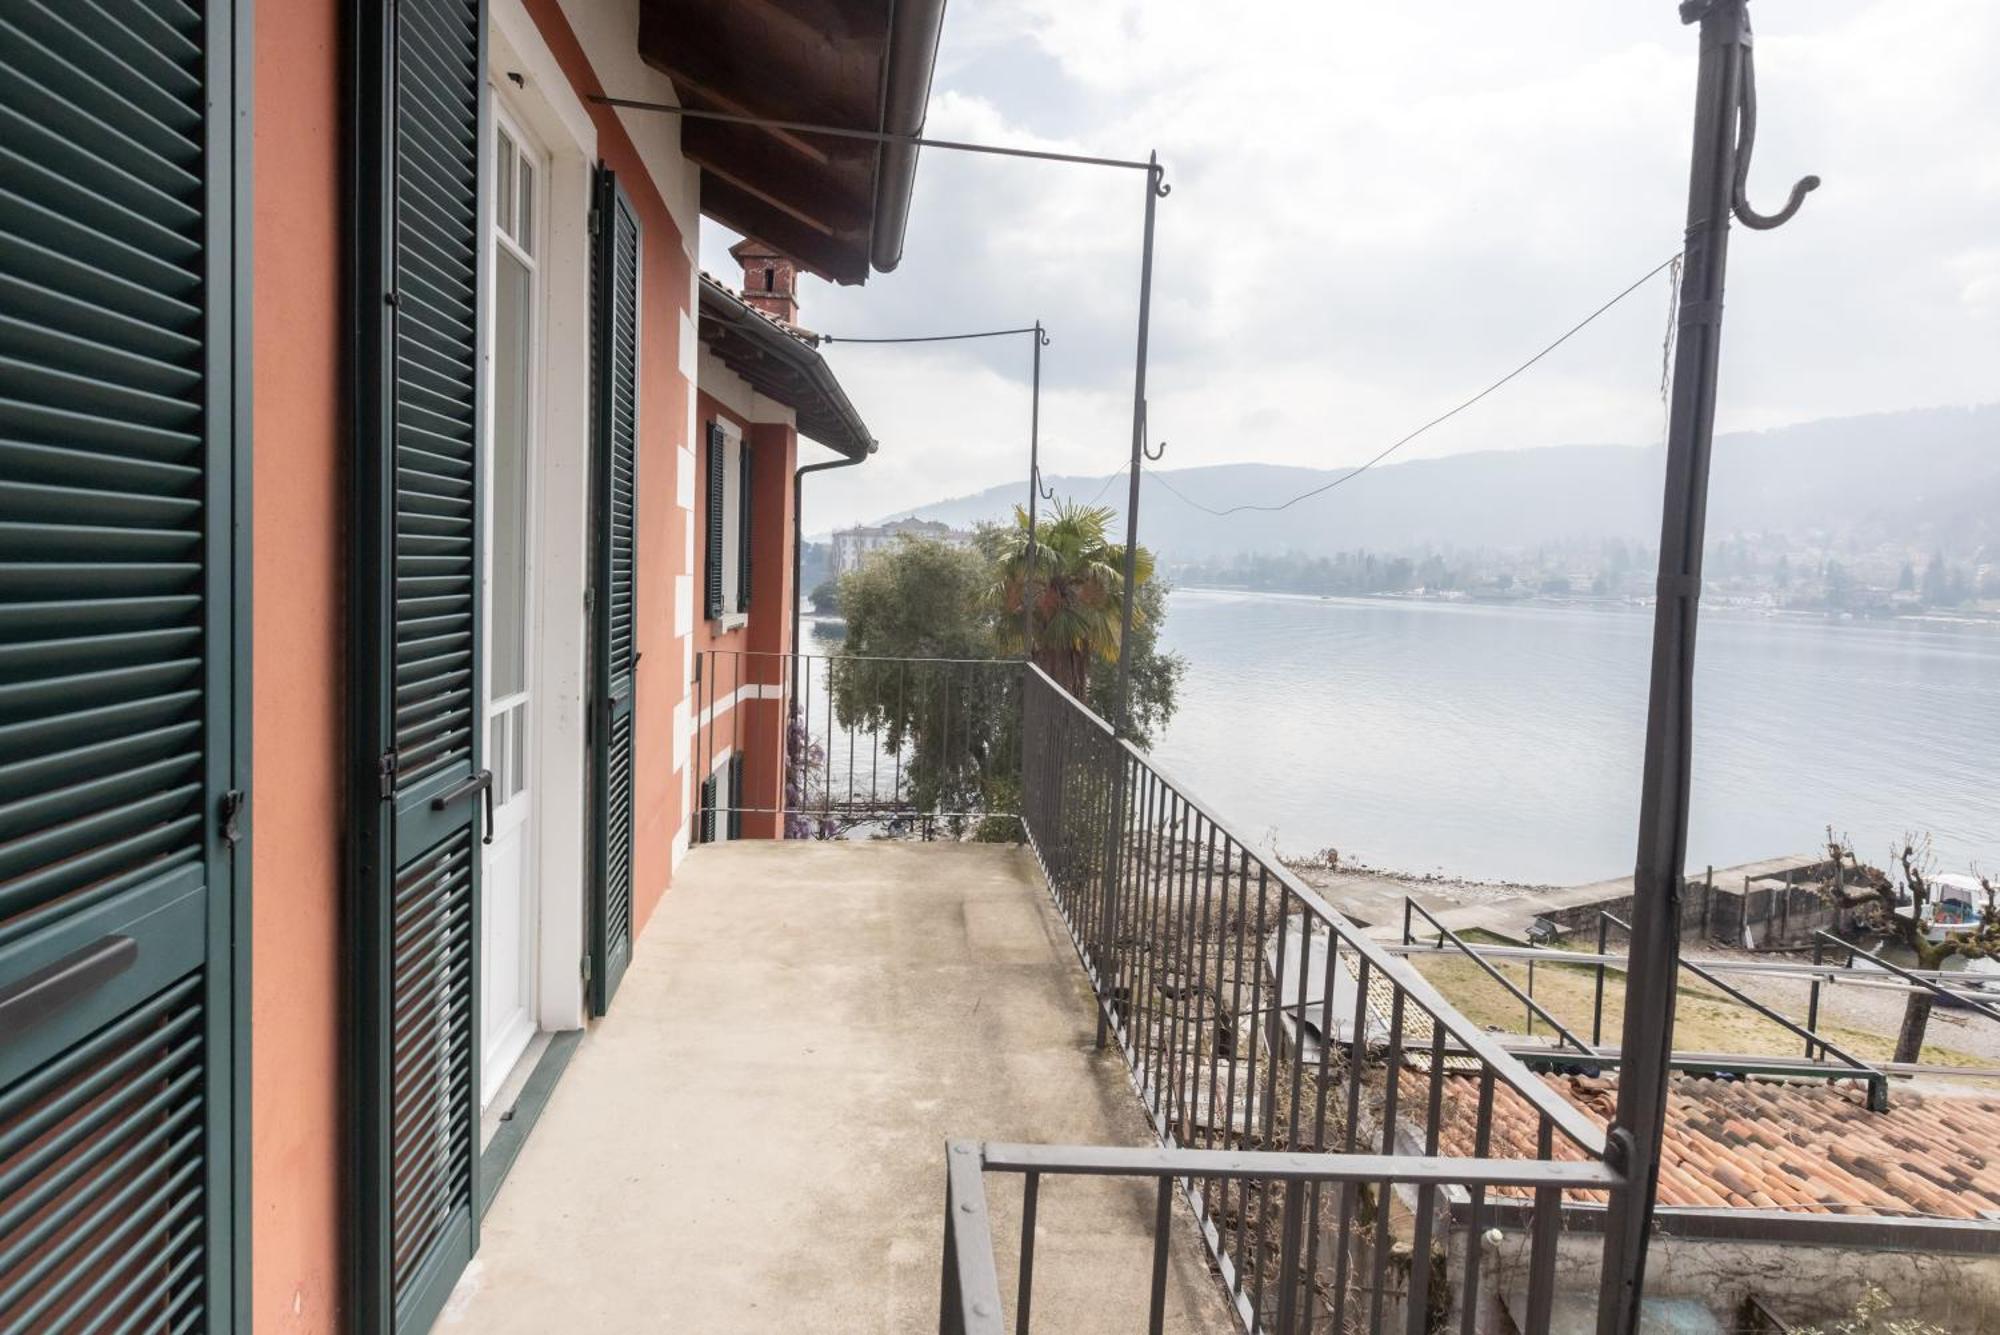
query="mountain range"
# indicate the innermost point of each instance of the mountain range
(1926, 477)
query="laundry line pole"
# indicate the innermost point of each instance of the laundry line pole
(1035, 493)
(1725, 128)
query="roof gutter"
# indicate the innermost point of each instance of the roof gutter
(798, 354)
(912, 56)
(799, 526)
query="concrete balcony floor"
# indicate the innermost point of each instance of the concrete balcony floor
(753, 1139)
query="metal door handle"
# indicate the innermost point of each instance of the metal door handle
(480, 782)
(53, 986)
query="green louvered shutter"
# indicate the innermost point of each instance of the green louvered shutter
(118, 650)
(614, 581)
(718, 455)
(420, 223)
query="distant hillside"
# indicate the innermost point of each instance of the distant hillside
(1925, 476)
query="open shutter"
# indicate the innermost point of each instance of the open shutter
(743, 527)
(718, 455)
(419, 223)
(736, 797)
(705, 826)
(118, 654)
(614, 618)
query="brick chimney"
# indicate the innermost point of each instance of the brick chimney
(770, 279)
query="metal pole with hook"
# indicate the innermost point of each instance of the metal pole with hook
(1156, 188)
(1035, 488)
(1724, 131)
(1035, 493)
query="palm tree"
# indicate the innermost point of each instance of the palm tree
(1076, 589)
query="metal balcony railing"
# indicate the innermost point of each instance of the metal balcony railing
(974, 1301)
(1300, 1078)
(917, 747)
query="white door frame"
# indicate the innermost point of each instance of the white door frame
(548, 109)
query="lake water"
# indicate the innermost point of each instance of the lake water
(1504, 742)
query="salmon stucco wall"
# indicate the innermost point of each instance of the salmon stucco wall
(666, 291)
(747, 670)
(298, 755)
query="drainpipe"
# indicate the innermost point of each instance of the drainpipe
(798, 527)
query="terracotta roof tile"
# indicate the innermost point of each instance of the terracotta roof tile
(1772, 1144)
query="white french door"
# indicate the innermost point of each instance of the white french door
(513, 440)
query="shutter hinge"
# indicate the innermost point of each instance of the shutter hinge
(232, 817)
(596, 219)
(385, 770)
(586, 968)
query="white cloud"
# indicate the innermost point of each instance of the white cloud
(1378, 209)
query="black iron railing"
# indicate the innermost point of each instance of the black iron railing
(1259, 1024)
(904, 746)
(975, 1302)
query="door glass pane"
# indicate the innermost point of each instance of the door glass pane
(503, 181)
(496, 752)
(517, 723)
(525, 232)
(512, 370)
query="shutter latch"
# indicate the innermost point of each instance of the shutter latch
(232, 817)
(385, 769)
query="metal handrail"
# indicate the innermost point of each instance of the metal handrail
(1575, 1126)
(972, 1295)
(1878, 1082)
(1950, 994)
(1174, 1161)
(1534, 1007)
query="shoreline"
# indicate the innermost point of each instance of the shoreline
(1934, 620)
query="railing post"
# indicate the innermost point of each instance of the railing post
(1544, 1236)
(1812, 1004)
(1107, 949)
(1597, 1002)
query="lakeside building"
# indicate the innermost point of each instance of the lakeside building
(852, 546)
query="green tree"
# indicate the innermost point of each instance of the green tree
(1076, 588)
(915, 612)
(1155, 676)
(957, 724)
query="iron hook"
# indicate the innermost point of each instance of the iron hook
(1746, 141)
(1153, 454)
(1047, 492)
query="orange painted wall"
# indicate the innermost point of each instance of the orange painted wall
(664, 296)
(299, 619)
(750, 654)
(770, 626)
(298, 481)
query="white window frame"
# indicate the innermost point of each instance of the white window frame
(525, 146)
(732, 617)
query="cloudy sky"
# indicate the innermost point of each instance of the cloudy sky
(1378, 209)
